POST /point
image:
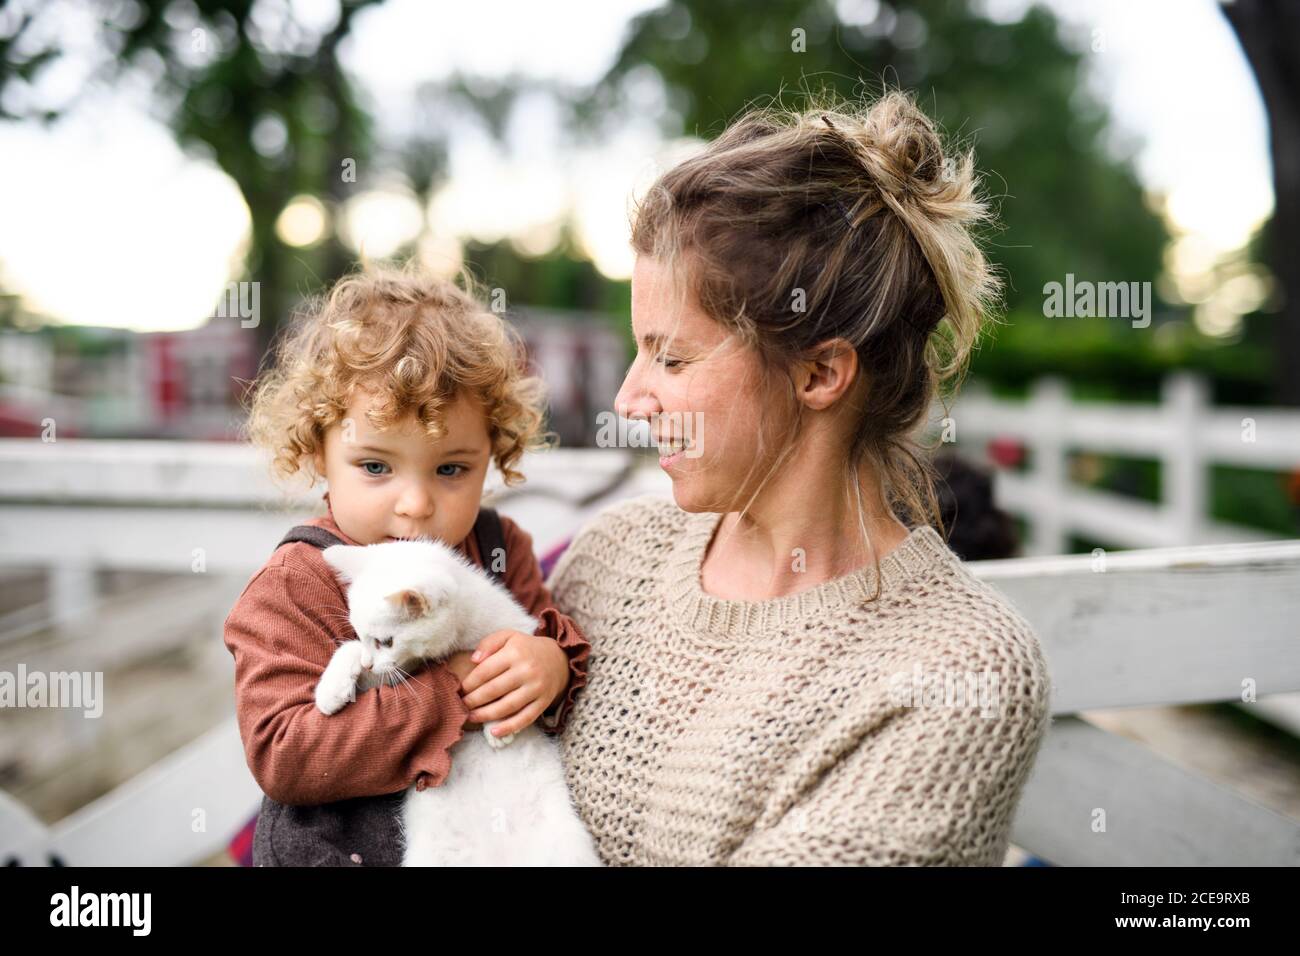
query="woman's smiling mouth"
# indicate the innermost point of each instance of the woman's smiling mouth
(672, 450)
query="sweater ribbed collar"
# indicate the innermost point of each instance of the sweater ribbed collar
(703, 613)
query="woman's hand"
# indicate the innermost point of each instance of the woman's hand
(514, 678)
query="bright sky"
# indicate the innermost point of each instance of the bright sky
(106, 222)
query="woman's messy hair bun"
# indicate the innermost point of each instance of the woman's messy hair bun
(934, 193)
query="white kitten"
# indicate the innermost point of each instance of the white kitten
(505, 802)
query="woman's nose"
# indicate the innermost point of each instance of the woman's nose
(633, 400)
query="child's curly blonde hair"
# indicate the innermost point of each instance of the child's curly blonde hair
(418, 342)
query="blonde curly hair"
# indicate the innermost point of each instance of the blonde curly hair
(418, 342)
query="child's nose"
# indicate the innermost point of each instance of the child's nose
(415, 502)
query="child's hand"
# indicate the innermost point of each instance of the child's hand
(518, 676)
(462, 665)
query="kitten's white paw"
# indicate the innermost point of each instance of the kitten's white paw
(496, 743)
(332, 700)
(338, 684)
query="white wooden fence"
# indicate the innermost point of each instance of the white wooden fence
(1151, 627)
(1184, 432)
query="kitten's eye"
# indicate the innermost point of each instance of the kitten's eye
(384, 642)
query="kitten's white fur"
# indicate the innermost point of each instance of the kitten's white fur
(505, 801)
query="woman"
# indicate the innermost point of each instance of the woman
(788, 664)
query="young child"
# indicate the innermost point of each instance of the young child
(397, 390)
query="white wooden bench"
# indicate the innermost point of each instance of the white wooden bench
(1155, 627)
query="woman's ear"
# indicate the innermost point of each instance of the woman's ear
(828, 372)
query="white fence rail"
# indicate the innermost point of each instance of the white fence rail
(74, 506)
(1184, 432)
(180, 812)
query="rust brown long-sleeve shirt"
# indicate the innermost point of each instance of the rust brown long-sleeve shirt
(282, 632)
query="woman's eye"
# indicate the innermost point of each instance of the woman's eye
(367, 464)
(669, 363)
(453, 474)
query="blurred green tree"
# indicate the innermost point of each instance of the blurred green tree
(1015, 91)
(268, 102)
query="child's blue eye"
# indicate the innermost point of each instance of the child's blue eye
(454, 475)
(367, 464)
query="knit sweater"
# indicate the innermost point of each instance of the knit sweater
(781, 732)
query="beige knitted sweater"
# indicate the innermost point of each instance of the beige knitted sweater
(816, 728)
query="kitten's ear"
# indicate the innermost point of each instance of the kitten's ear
(411, 604)
(346, 559)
